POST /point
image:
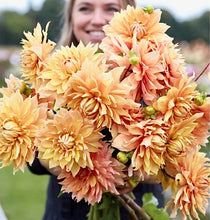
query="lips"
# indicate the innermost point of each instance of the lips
(96, 33)
(96, 36)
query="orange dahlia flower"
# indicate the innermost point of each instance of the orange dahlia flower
(148, 140)
(193, 185)
(89, 184)
(99, 95)
(135, 24)
(60, 67)
(35, 50)
(67, 141)
(19, 122)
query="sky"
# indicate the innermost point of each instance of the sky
(180, 9)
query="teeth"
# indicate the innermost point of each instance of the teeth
(97, 33)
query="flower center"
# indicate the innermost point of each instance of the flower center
(10, 130)
(66, 141)
(91, 106)
(138, 29)
(29, 59)
(70, 66)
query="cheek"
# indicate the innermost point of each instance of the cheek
(80, 23)
(109, 17)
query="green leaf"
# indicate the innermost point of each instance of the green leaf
(149, 198)
(107, 209)
(156, 213)
(150, 206)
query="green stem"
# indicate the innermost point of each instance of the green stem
(137, 208)
(128, 208)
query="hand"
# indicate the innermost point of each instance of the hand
(55, 171)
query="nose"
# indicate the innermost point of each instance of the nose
(98, 18)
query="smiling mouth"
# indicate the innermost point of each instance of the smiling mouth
(96, 33)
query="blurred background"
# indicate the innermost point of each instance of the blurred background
(22, 196)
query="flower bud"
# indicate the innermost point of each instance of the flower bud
(133, 58)
(130, 154)
(22, 87)
(27, 91)
(199, 100)
(122, 157)
(133, 182)
(149, 110)
(149, 9)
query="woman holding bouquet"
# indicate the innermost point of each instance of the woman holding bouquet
(84, 21)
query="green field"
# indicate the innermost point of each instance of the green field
(22, 196)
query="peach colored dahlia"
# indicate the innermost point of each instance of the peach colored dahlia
(99, 95)
(60, 67)
(193, 186)
(181, 139)
(202, 131)
(35, 50)
(135, 24)
(67, 141)
(159, 65)
(19, 122)
(155, 73)
(148, 140)
(89, 184)
(178, 103)
(13, 84)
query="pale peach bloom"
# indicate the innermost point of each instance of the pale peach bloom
(148, 140)
(99, 95)
(20, 119)
(135, 24)
(13, 84)
(181, 139)
(173, 63)
(134, 116)
(89, 184)
(177, 104)
(201, 132)
(160, 66)
(67, 141)
(193, 179)
(36, 48)
(60, 67)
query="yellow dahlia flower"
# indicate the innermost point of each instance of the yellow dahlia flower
(19, 122)
(135, 24)
(99, 95)
(60, 67)
(67, 141)
(193, 185)
(35, 50)
(89, 184)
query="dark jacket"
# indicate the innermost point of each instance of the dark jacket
(64, 208)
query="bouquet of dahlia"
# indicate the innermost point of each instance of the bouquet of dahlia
(111, 115)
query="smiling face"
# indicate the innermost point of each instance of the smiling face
(89, 17)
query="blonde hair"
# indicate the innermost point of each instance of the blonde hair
(67, 35)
